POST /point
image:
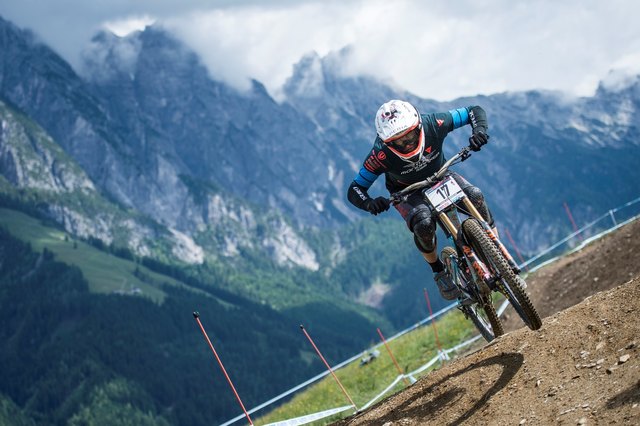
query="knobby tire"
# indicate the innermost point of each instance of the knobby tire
(510, 284)
(477, 318)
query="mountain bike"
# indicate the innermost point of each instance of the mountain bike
(479, 264)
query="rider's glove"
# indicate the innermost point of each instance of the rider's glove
(478, 139)
(376, 205)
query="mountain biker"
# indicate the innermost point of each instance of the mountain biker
(408, 149)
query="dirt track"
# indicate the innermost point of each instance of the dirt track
(582, 367)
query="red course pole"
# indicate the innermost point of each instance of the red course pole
(433, 323)
(196, 315)
(329, 368)
(515, 247)
(406, 382)
(575, 227)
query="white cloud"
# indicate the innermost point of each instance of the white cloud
(257, 42)
(124, 27)
(437, 49)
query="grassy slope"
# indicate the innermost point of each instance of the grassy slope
(107, 273)
(104, 272)
(363, 383)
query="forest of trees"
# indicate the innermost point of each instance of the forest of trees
(69, 356)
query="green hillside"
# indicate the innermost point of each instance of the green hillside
(105, 273)
(88, 333)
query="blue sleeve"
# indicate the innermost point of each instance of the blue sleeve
(460, 117)
(365, 178)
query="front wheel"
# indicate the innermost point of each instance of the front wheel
(484, 316)
(509, 284)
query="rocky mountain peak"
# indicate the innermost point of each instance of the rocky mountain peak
(315, 76)
(108, 55)
(619, 80)
(307, 79)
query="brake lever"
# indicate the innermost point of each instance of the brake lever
(398, 198)
(465, 153)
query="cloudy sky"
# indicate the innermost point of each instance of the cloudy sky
(436, 49)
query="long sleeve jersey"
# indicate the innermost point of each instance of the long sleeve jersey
(399, 173)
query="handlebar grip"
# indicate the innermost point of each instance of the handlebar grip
(395, 199)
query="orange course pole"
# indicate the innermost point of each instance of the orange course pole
(406, 382)
(196, 315)
(329, 368)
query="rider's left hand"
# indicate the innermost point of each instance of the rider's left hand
(478, 139)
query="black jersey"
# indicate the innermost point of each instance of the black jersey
(400, 173)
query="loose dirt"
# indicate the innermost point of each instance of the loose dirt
(582, 366)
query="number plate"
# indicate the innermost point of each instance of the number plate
(443, 194)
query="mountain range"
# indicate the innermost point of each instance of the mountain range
(143, 152)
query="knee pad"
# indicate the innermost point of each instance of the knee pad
(423, 246)
(424, 231)
(475, 195)
(477, 199)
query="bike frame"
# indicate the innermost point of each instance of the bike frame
(448, 216)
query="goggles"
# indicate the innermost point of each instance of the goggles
(405, 142)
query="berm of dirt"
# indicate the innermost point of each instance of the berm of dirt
(581, 368)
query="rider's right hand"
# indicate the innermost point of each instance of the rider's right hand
(377, 205)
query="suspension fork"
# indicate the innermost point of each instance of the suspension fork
(476, 214)
(478, 268)
(501, 247)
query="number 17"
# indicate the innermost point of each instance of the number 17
(443, 191)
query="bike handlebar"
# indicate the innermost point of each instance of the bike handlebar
(398, 197)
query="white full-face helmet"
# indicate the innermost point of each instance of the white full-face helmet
(399, 125)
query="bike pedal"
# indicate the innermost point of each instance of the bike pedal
(467, 301)
(492, 285)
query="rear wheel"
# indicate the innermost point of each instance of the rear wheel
(509, 284)
(484, 317)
